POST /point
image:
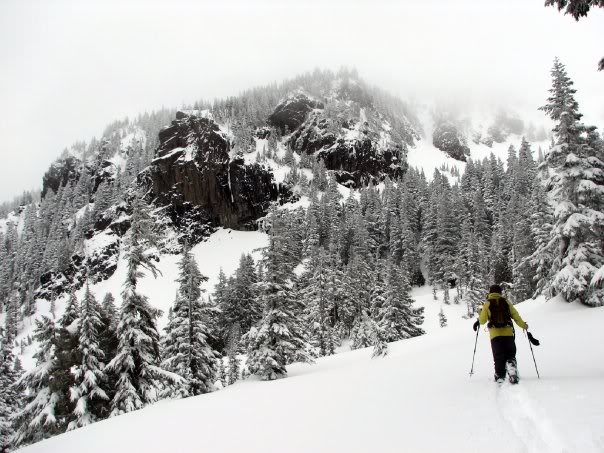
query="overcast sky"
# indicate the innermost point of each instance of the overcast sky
(70, 67)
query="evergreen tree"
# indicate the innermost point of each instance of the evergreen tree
(233, 350)
(137, 359)
(67, 357)
(363, 333)
(11, 320)
(541, 224)
(9, 396)
(221, 377)
(396, 317)
(319, 306)
(188, 354)
(91, 400)
(576, 184)
(239, 305)
(38, 418)
(109, 311)
(476, 282)
(442, 318)
(278, 338)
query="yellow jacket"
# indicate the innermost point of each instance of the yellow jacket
(485, 314)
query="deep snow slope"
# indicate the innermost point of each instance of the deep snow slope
(419, 398)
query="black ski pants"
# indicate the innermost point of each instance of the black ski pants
(504, 350)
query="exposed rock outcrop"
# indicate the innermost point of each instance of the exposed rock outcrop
(61, 171)
(352, 141)
(194, 169)
(448, 139)
(292, 111)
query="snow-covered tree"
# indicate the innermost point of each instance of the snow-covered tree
(10, 396)
(442, 318)
(137, 361)
(233, 351)
(278, 339)
(109, 311)
(87, 392)
(395, 316)
(37, 420)
(188, 353)
(575, 167)
(238, 303)
(319, 305)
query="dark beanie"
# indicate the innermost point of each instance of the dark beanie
(495, 289)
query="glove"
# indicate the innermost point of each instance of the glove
(476, 325)
(533, 340)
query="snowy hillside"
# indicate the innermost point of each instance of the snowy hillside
(294, 222)
(427, 157)
(418, 398)
(221, 251)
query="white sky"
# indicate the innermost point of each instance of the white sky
(68, 68)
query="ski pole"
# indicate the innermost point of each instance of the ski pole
(474, 355)
(534, 361)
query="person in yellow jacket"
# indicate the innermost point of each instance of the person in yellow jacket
(499, 313)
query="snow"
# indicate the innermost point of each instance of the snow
(135, 137)
(190, 153)
(171, 153)
(303, 202)
(419, 398)
(80, 212)
(261, 145)
(230, 187)
(598, 277)
(222, 250)
(118, 161)
(198, 113)
(11, 218)
(424, 155)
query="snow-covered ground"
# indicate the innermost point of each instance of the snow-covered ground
(419, 398)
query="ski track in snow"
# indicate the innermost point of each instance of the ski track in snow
(530, 424)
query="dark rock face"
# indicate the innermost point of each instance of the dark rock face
(193, 169)
(447, 138)
(193, 222)
(292, 112)
(116, 218)
(59, 173)
(356, 159)
(357, 162)
(103, 262)
(105, 171)
(317, 133)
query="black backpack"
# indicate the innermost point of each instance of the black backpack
(500, 313)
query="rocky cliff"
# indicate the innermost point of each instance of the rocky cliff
(195, 169)
(347, 132)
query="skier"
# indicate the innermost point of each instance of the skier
(500, 312)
